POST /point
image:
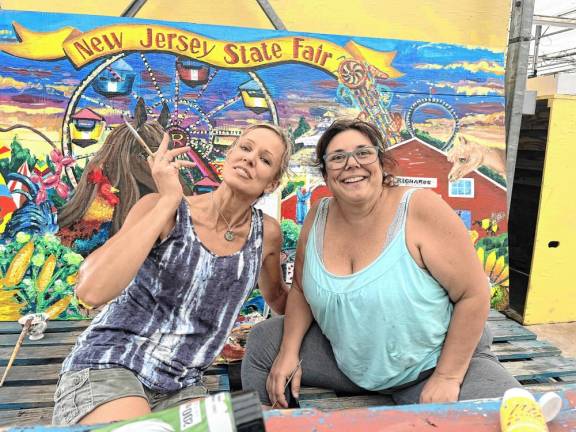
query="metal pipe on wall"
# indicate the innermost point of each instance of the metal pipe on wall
(515, 82)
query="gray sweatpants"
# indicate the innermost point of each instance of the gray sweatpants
(486, 377)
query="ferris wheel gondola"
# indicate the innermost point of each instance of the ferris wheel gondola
(86, 127)
(192, 73)
(117, 81)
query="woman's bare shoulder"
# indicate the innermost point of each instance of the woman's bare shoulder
(426, 204)
(272, 230)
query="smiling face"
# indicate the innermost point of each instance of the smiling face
(353, 182)
(253, 163)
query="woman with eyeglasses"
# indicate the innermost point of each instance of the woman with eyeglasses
(388, 295)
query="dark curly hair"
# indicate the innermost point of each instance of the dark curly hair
(387, 162)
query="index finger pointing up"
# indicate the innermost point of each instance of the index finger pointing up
(163, 147)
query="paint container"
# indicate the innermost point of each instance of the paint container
(520, 412)
(240, 412)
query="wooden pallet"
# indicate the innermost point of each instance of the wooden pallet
(27, 395)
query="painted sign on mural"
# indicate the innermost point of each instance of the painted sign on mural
(67, 81)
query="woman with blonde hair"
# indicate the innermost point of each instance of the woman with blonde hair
(175, 276)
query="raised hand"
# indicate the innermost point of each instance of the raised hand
(165, 169)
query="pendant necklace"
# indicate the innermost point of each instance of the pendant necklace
(229, 234)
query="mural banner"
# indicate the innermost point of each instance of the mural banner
(67, 82)
(83, 48)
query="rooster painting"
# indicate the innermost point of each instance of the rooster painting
(93, 228)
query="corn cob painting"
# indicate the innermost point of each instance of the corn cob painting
(38, 274)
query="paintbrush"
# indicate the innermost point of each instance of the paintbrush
(23, 334)
(289, 380)
(138, 137)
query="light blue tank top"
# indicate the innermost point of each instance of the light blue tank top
(387, 322)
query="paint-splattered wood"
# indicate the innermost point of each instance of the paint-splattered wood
(519, 350)
(509, 330)
(68, 338)
(339, 403)
(547, 367)
(32, 416)
(9, 327)
(470, 416)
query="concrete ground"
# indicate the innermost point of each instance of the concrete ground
(562, 335)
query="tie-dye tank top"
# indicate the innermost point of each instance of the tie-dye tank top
(173, 319)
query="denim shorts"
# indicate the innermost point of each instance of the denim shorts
(79, 392)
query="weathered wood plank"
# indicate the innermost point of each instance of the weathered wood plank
(568, 379)
(216, 383)
(31, 355)
(48, 374)
(519, 350)
(26, 417)
(312, 393)
(509, 330)
(333, 403)
(546, 387)
(33, 375)
(10, 327)
(40, 396)
(548, 367)
(494, 315)
(62, 338)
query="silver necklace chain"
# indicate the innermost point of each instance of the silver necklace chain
(229, 234)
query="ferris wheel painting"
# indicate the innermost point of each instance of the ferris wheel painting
(198, 98)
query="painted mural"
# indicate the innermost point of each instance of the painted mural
(67, 81)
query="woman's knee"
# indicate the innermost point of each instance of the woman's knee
(486, 378)
(264, 340)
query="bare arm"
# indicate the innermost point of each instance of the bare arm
(270, 282)
(297, 321)
(110, 268)
(458, 270)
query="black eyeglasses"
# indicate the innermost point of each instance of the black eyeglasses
(362, 155)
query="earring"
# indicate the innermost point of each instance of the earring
(390, 180)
